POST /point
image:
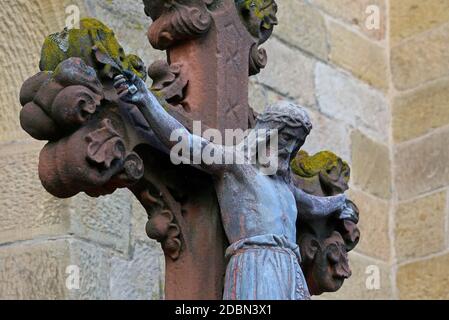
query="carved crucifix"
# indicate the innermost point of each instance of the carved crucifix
(99, 142)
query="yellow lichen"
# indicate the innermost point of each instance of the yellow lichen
(309, 166)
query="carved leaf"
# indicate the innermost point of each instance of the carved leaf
(105, 145)
(169, 81)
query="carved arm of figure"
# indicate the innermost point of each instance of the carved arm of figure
(132, 89)
(315, 207)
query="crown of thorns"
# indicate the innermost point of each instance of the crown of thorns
(292, 115)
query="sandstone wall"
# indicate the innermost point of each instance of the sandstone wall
(378, 98)
(420, 132)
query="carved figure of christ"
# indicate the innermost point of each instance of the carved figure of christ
(258, 211)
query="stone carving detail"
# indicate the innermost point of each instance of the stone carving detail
(58, 102)
(105, 145)
(98, 142)
(177, 20)
(96, 45)
(257, 60)
(85, 153)
(161, 224)
(169, 82)
(70, 104)
(325, 243)
(259, 18)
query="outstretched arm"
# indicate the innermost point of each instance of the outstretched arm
(132, 89)
(313, 207)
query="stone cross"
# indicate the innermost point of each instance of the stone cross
(99, 143)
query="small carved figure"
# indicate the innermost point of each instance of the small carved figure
(259, 211)
(259, 17)
(325, 242)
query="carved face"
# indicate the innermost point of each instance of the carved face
(335, 178)
(323, 174)
(290, 140)
(328, 264)
(259, 16)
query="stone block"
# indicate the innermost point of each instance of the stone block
(106, 220)
(260, 97)
(360, 56)
(38, 270)
(357, 14)
(142, 276)
(422, 165)
(420, 59)
(303, 26)
(374, 225)
(420, 227)
(35, 271)
(289, 72)
(328, 134)
(371, 169)
(411, 17)
(351, 101)
(424, 280)
(420, 111)
(94, 266)
(27, 210)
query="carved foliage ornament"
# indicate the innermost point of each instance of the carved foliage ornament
(170, 82)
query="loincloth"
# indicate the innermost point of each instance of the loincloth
(264, 267)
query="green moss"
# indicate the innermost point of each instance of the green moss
(96, 44)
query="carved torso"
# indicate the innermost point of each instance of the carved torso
(254, 204)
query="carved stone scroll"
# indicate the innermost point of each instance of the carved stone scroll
(176, 21)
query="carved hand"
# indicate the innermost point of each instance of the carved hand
(131, 88)
(348, 212)
(312, 207)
